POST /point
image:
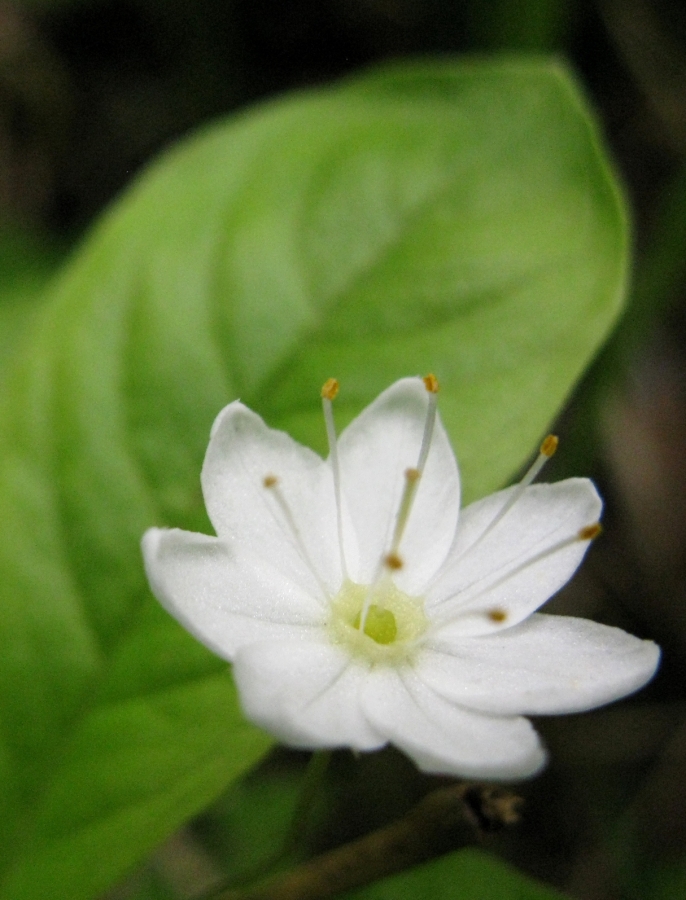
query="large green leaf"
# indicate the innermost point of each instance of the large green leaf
(454, 217)
(467, 875)
(26, 266)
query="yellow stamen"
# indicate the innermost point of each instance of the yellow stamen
(547, 449)
(549, 445)
(393, 561)
(431, 383)
(590, 532)
(412, 478)
(585, 534)
(330, 389)
(497, 615)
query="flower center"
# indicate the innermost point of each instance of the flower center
(380, 625)
(393, 623)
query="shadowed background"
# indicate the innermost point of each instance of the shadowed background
(90, 91)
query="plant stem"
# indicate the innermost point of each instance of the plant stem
(312, 782)
(446, 819)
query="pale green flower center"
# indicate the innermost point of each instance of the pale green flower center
(392, 627)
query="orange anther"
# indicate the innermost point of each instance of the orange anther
(393, 561)
(497, 615)
(549, 445)
(269, 481)
(412, 474)
(431, 383)
(590, 532)
(330, 389)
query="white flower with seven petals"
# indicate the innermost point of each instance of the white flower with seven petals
(360, 607)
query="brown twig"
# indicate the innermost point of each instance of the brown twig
(444, 820)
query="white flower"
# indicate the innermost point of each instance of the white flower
(357, 608)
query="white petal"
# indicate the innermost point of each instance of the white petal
(375, 451)
(548, 664)
(444, 738)
(305, 693)
(242, 452)
(511, 569)
(223, 599)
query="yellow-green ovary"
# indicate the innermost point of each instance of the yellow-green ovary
(380, 624)
(393, 624)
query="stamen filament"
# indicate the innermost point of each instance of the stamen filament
(588, 533)
(412, 476)
(271, 483)
(391, 559)
(329, 392)
(431, 385)
(547, 449)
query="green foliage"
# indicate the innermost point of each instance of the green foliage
(660, 270)
(26, 266)
(148, 885)
(467, 875)
(451, 217)
(663, 881)
(247, 830)
(524, 25)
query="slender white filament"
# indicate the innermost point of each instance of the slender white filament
(271, 483)
(547, 449)
(412, 478)
(586, 534)
(327, 407)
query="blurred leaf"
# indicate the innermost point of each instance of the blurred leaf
(532, 25)
(247, 828)
(663, 882)
(146, 885)
(648, 842)
(467, 875)
(480, 237)
(26, 266)
(660, 269)
(458, 218)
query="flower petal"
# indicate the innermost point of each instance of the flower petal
(223, 599)
(495, 578)
(242, 452)
(444, 738)
(375, 451)
(546, 665)
(306, 693)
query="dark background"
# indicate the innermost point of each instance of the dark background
(91, 90)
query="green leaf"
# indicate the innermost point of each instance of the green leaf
(26, 266)
(524, 25)
(454, 217)
(477, 233)
(659, 881)
(247, 829)
(145, 885)
(660, 271)
(467, 875)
